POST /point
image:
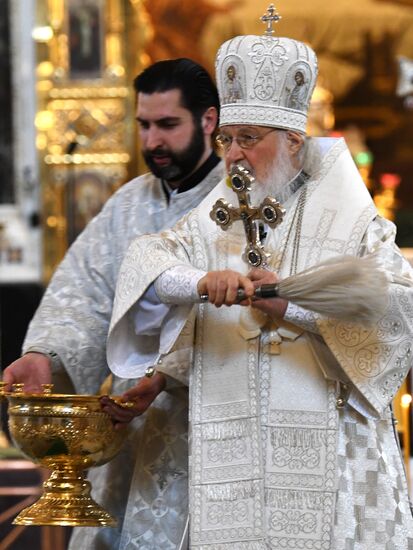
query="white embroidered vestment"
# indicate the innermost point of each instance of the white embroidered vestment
(274, 461)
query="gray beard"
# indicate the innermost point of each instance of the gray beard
(279, 174)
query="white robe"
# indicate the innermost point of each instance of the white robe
(274, 462)
(72, 322)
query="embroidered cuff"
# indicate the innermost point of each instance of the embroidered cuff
(179, 285)
(302, 317)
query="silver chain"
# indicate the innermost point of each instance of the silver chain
(296, 223)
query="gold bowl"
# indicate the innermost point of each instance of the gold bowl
(67, 434)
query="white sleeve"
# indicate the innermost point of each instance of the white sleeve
(375, 359)
(156, 321)
(179, 285)
(174, 287)
(149, 313)
(301, 317)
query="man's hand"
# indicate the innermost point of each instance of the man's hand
(273, 307)
(32, 370)
(222, 287)
(142, 395)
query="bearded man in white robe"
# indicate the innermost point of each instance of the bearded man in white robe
(177, 112)
(292, 439)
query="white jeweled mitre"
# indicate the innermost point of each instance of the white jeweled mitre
(265, 80)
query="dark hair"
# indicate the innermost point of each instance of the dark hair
(197, 87)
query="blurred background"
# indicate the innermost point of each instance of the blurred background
(68, 138)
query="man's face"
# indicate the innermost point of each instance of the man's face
(270, 160)
(172, 142)
(259, 159)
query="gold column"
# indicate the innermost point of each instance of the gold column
(85, 128)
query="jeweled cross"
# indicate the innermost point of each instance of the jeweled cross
(269, 18)
(269, 211)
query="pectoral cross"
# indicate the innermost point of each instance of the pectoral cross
(269, 211)
(269, 18)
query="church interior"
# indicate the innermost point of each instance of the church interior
(69, 141)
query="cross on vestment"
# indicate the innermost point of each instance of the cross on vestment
(269, 211)
(270, 18)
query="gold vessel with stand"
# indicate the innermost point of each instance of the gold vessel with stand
(66, 434)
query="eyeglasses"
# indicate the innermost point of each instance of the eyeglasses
(244, 140)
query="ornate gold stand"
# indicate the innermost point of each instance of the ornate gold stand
(66, 500)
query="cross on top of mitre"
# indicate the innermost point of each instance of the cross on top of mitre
(270, 18)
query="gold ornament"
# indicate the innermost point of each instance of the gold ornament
(66, 434)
